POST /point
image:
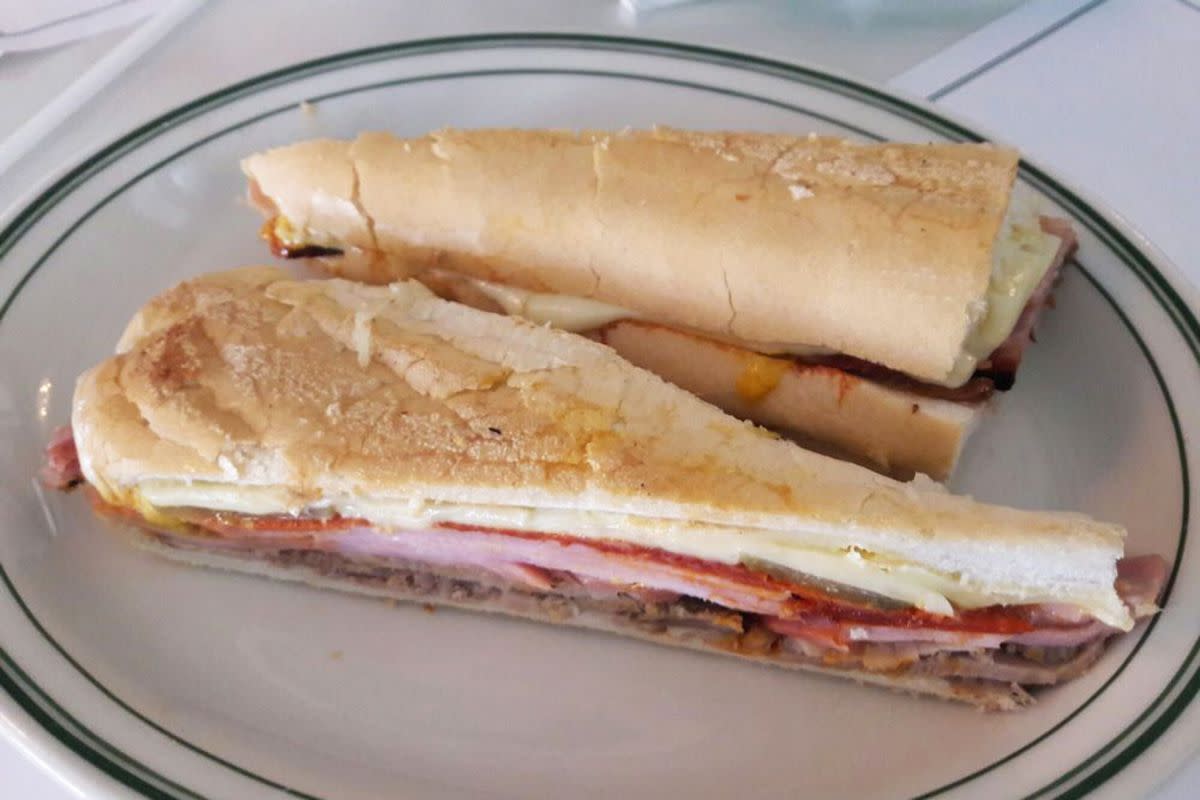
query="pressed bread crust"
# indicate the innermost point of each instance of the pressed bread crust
(881, 251)
(900, 433)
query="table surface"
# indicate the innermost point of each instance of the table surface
(1039, 74)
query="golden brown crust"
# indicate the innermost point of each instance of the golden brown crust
(334, 389)
(824, 408)
(877, 251)
(314, 186)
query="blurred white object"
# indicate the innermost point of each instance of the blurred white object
(48, 23)
(642, 6)
(45, 121)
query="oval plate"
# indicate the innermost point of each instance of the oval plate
(172, 682)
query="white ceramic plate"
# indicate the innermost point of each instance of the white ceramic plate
(134, 675)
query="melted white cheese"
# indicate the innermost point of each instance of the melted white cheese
(558, 310)
(581, 314)
(1020, 259)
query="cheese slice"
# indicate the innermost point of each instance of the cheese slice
(563, 311)
(1023, 254)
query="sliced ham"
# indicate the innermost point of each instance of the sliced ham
(1140, 583)
(60, 469)
(502, 552)
(1065, 637)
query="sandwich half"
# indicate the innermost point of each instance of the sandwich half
(385, 441)
(866, 299)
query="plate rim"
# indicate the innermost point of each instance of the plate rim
(1159, 276)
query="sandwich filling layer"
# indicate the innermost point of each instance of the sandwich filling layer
(855, 567)
(756, 611)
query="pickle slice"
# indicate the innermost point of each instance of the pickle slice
(838, 591)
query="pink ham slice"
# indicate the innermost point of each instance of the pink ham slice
(503, 554)
(61, 469)
(527, 561)
(430, 547)
(1140, 583)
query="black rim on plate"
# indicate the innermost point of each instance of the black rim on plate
(1121, 749)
